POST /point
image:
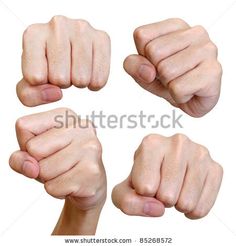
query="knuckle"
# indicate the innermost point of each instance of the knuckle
(146, 189)
(80, 82)
(185, 206)
(180, 138)
(58, 20)
(33, 148)
(177, 91)
(218, 170)
(21, 123)
(35, 78)
(50, 189)
(217, 69)
(103, 35)
(165, 71)
(212, 47)
(94, 170)
(149, 141)
(155, 52)
(152, 51)
(179, 141)
(96, 85)
(140, 34)
(200, 31)
(90, 193)
(203, 153)
(82, 25)
(199, 212)
(60, 79)
(168, 198)
(44, 176)
(30, 32)
(94, 146)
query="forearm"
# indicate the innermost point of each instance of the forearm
(76, 222)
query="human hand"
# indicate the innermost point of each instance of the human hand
(66, 156)
(178, 63)
(60, 53)
(169, 171)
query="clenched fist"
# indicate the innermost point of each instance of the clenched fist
(66, 156)
(169, 171)
(58, 54)
(178, 63)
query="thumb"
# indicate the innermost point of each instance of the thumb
(145, 74)
(140, 69)
(34, 95)
(129, 202)
(24, 164)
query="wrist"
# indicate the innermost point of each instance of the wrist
(76, 221)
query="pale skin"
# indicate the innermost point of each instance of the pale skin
(68, 161)
(167, 172)
(174, 61)
(178, 63)
(61, 53)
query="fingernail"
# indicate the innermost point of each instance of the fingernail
(145, 72)
(29, 169)
(153, 209)
(51, 94)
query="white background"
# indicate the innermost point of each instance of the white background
(27, 213)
